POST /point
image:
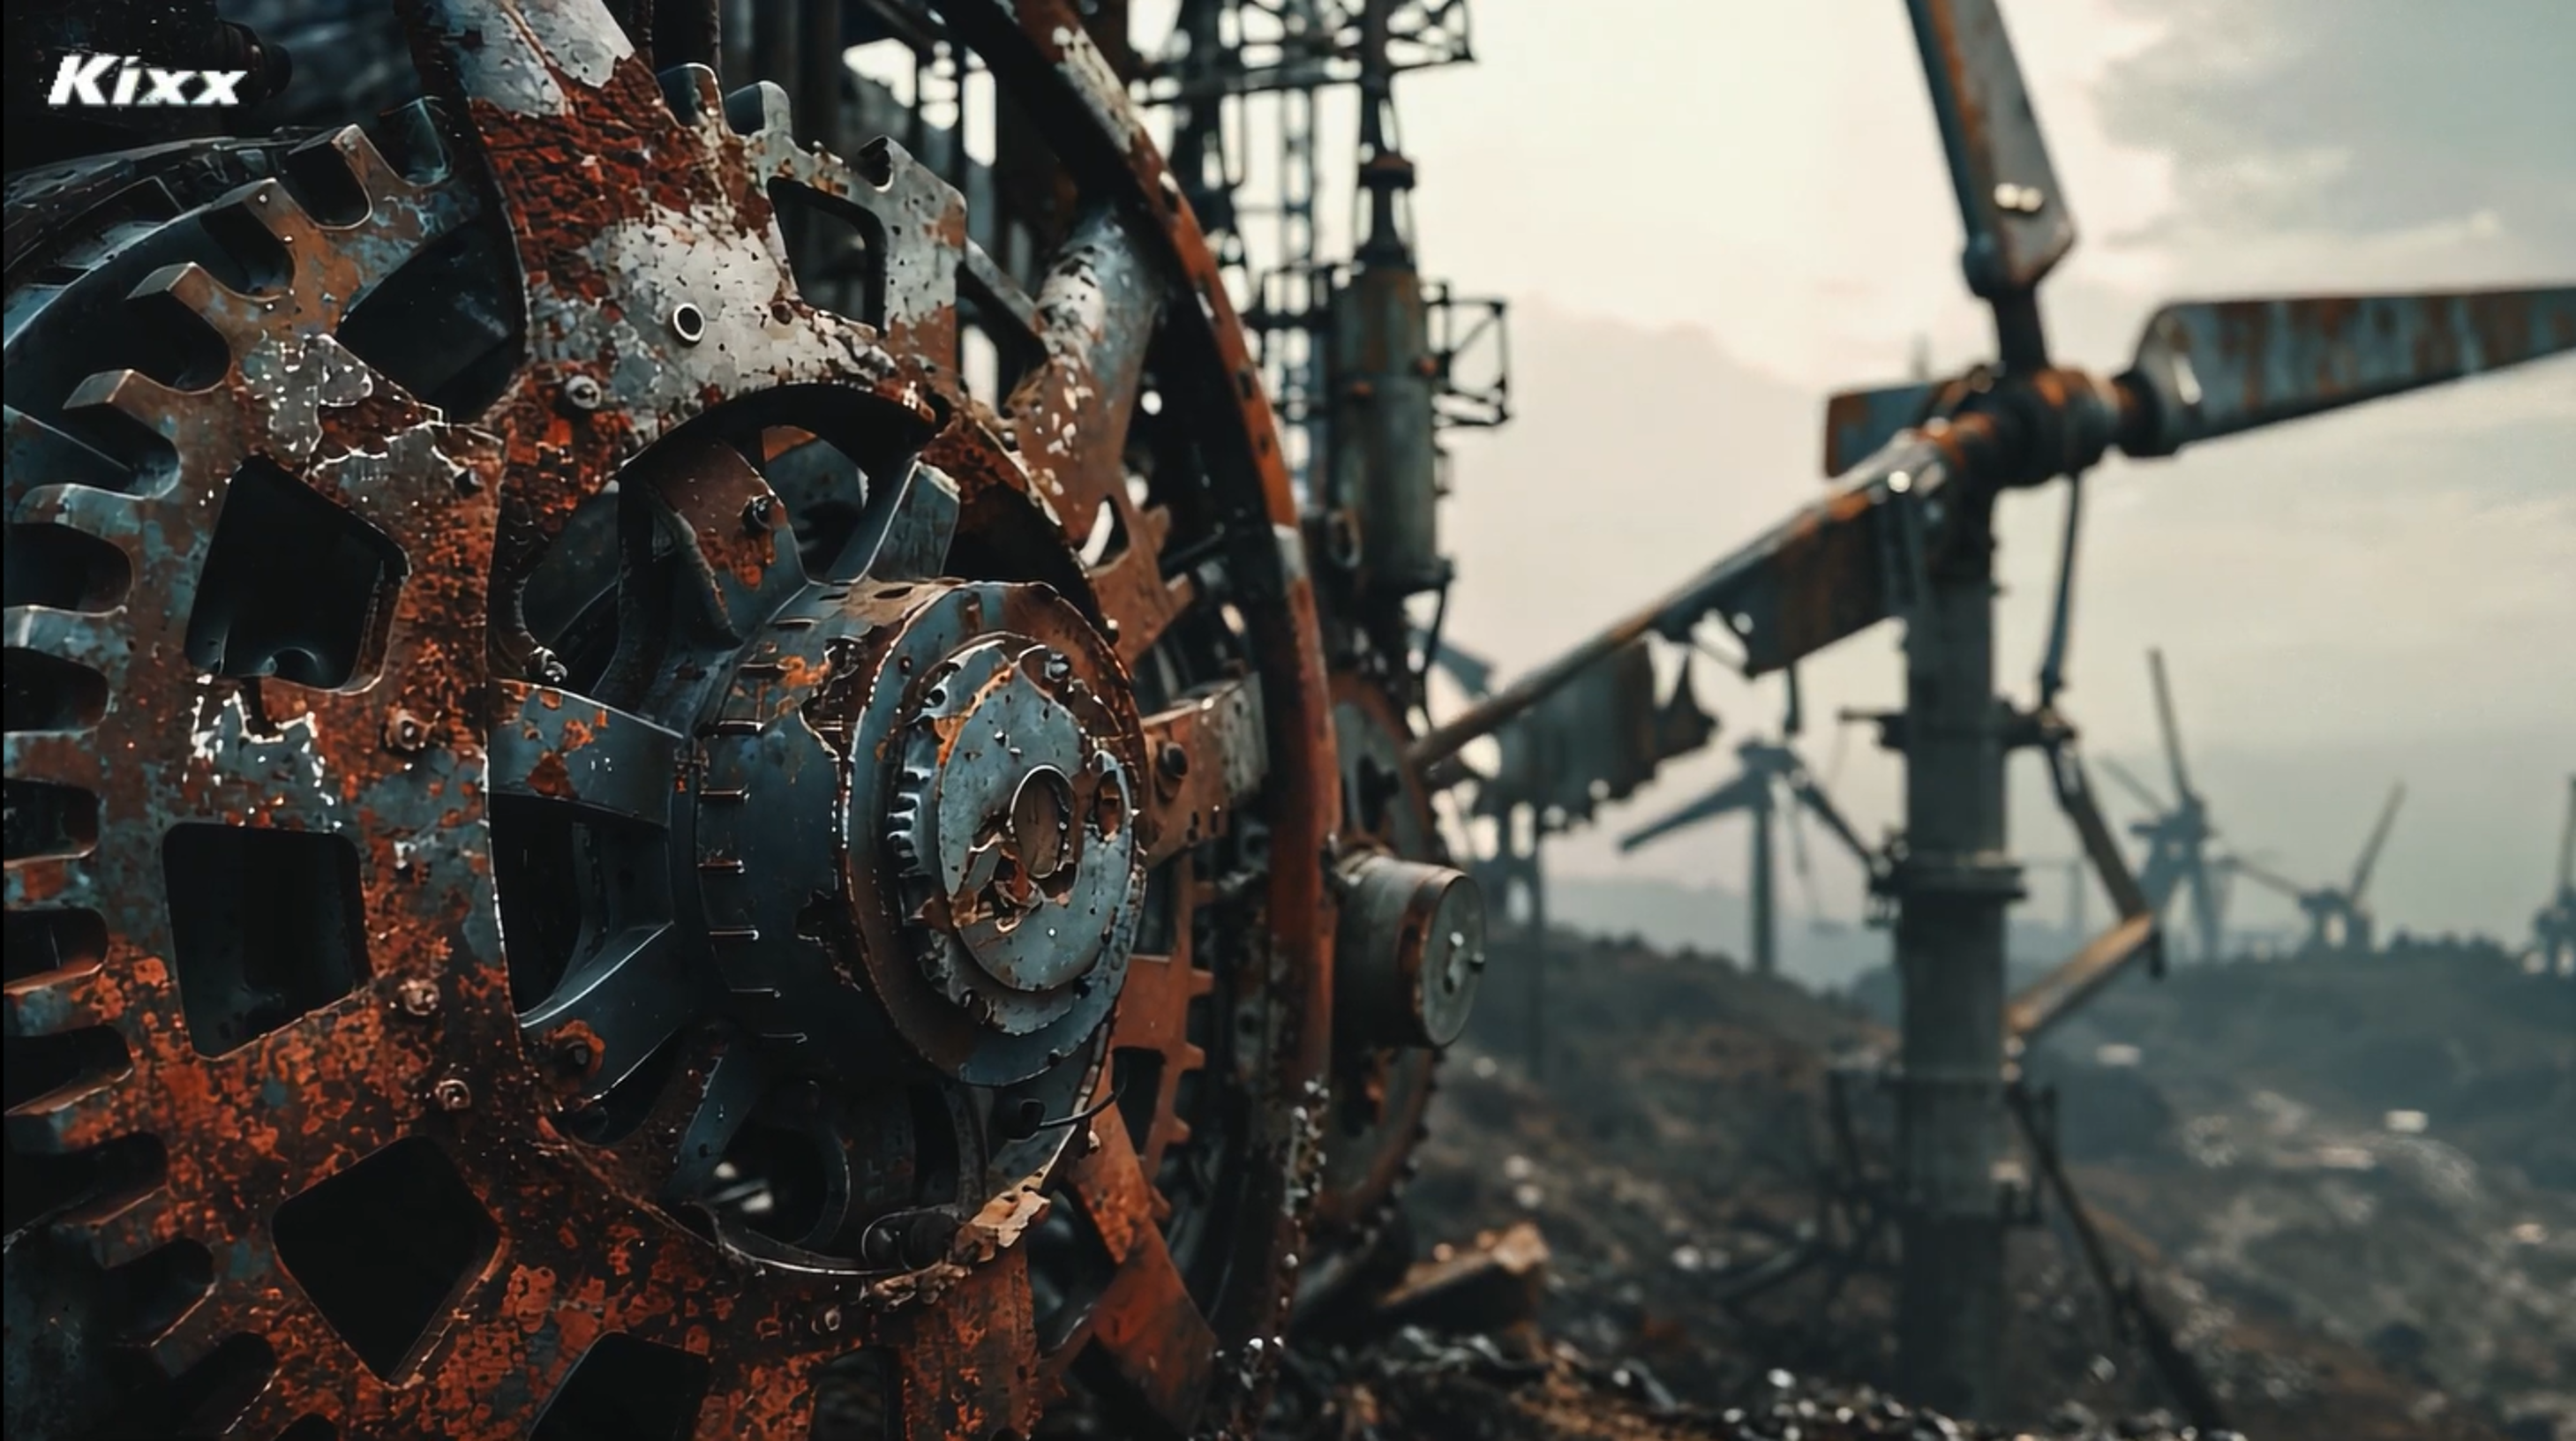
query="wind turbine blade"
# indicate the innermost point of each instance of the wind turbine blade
(2378, 837)
(1836, 567)
(2017, 220)
(1743, 792)
(2211, 368)
(2165, 722)
(2136, 788)
(2263, 877)
(2055, 996)
(2074, 789)
(1472, 672)
(1859, 422)
(1812, 796)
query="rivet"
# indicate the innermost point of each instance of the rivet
(756, 515)
(417, 998)
(688, 323)
(581, 392)
(451, 1094)
(405, 733)
(1173, 759)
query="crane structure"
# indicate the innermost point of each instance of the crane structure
(1906, 532)
(2338, 917)
(1359, 351)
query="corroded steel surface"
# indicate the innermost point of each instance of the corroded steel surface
(2217, 367)
(2017, 219)
(750, 741)
(1380, 1097)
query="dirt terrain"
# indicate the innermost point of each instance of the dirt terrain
(2335, 1270)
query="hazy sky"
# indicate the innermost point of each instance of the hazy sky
(1709, 212)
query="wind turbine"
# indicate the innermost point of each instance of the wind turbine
(2338, 921)
(1768, 769)
(2177, 833)
(1593, 742)
(1906, 531)
(2553, 931)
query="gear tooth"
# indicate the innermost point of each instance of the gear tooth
(692, 93)
(139, 398)
(233, 315)
(62, 758)
(93, 639)
(265, 1416)
(761, 109)
(356, 153)
(414, 130)
(123, 1229)
(105, 515)
(54, 1003)
(193, 1335)
(274, 208)
(76, 1117)
(51, 883)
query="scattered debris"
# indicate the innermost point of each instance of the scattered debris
(1490, 1286)
(1681, 1144)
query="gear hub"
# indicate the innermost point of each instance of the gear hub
(918, 815)
(1011, 831)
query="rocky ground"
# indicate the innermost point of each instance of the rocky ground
(2335, 1270)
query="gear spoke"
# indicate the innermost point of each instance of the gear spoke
(1144, 1320)
(738, 546)
(1154, 1018)
(1209, 753)
(557, 746)
(906, 535)
(619, 1004)
(732, 1087)
(998, 295)
(1097, 315)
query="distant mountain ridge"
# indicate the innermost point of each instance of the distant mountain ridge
(1671, 916)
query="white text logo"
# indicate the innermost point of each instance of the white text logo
(120, 81)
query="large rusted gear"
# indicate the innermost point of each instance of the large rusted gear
(472, 532)
(1380, 1097)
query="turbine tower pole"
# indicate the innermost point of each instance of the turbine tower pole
(1766, 930)
(1953, 887)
